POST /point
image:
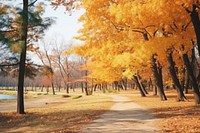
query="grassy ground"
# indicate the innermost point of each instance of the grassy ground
(29, 96)
(173, 117)
(66, 117)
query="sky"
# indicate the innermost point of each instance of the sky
(66, 25)
(64, 29)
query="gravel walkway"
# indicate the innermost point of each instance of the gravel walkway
(124, 117)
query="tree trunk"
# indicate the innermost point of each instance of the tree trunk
(187, 84)
(32, 87)
(192, 79)
(183, 79)
(132, 85)
(194, 15)
(73, 88)
(115, 85)
(86, 91)
(99, 87)
(59, 87)
(106, 86)
(42, 88)
(142, 86)
(20, 92)
(155, 91)
(63, 77)
(150, 84)
(47, 89)
(53, 88)
(180, 96)
(67, 89)
(35, 88)
(135, 78)
(157, 73)
(91, 91)
(95, 87)
(124, 84)
(82, 87)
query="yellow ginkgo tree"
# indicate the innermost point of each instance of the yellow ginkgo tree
(128, 38)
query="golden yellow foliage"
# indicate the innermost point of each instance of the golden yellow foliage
(113, 35)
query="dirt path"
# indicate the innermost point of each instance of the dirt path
(125, 116)
(40, 103)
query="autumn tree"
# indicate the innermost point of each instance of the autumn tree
(25, 24)
(118, 33)
(63, 64)
(47, 61)
(5, 22)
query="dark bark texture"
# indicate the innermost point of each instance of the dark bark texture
(157, 73)
(180, 96)
(192, 79)
(136, 79)
(20, 92)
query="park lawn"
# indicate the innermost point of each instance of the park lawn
(173, 116)
(66, 117)
(29, 96)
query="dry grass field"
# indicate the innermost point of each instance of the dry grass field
(65, 117)
(72, 115)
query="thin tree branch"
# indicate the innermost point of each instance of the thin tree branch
(33, 3)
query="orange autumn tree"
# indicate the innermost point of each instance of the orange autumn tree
(121, 36)
(112, 31)
(168, 24)
(92, 48)
(107, 40)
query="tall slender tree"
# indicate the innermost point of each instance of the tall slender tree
(31, 25)
(20, 95)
